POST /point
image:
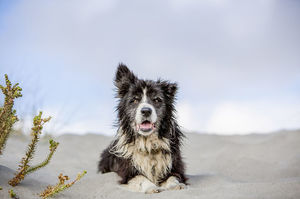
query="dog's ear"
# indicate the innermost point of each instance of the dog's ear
(124, 77)
(169, 89)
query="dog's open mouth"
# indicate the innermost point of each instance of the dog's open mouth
(146, 126)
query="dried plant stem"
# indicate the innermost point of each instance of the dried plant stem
(60, 186)
(24, 167)
(52, 148)
(12, 194)
(7, 114)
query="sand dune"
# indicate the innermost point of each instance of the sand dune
(251, 166)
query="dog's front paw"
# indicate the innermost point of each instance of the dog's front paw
(173, 184)
(177, 186)
(153, 189)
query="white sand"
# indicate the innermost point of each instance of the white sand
(252, 166)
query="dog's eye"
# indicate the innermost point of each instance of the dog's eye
(157, 100)
(135, 100)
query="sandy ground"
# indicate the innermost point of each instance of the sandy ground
(252, 166)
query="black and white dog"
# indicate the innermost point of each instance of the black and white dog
(146, 151)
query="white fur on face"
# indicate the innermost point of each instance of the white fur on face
(139, 118)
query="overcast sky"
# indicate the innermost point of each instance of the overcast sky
(237, 63)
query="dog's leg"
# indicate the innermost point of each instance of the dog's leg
(107, 162)
(172, 183)
(141, 184)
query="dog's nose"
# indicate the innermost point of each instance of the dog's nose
(146, 111)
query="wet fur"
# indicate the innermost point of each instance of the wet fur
(157, 156)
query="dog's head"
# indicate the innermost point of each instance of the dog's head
(145, 106)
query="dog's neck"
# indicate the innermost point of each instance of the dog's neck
(151, 143)
(142, 144)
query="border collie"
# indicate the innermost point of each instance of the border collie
(146, 150)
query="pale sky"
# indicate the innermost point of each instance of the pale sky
(237, 63)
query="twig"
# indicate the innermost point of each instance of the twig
(24, 167)
(60, 186)
(12, 194)
(7, 114)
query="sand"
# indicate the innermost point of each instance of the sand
(252, 166)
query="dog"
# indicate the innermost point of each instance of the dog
(146, 150)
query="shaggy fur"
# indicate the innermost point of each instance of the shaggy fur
(146, 162)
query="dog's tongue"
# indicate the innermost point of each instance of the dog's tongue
(146, 125)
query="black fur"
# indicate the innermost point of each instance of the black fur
(128, 85)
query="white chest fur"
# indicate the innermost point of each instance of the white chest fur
(148, 155)
(149, 158)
